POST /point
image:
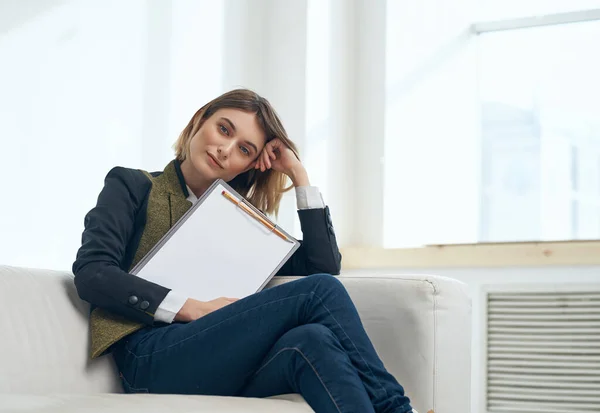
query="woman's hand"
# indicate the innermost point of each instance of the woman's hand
(194, 309)
(277, 156)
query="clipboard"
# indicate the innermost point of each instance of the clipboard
(218, 249)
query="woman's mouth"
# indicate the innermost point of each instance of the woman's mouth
(214, 162)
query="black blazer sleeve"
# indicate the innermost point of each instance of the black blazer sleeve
(318, 252)
(98, 268)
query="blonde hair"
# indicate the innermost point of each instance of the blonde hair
(262, 189)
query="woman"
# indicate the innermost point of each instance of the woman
(301, 337)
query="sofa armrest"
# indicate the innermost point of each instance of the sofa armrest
(421, 328)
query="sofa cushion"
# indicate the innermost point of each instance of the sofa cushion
(419, 324)
(149, 403)
(45, 335)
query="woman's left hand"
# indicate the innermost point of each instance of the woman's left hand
(278, 156)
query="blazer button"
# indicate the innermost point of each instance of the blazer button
(133, 300)
(328, 215)
(144, 305)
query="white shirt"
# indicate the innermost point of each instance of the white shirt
(307, 197)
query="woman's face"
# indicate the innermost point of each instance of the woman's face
(226, 145)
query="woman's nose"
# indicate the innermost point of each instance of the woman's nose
(224, 150)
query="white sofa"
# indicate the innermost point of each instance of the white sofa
(420, 326)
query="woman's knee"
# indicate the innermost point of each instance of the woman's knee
(326, 280)
(315, 342)
(310, 334)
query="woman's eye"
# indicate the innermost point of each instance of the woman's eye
(224, 130)
(245, 150)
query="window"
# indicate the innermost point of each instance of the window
(539, 96)
(492, 136)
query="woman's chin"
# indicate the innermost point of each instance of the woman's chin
(202, 168)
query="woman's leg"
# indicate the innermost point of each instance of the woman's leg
(310, 360)
(219, 353)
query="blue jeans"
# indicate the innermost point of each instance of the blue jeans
(302, 337)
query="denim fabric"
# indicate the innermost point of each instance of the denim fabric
(302, 337)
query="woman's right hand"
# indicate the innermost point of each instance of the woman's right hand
(194, 309)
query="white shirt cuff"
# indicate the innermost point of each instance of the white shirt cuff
(309, 197)
(170, 306)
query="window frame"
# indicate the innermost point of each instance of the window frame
(488, 255)
(527, 22)
(500, 254)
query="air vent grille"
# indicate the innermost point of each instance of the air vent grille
(543, 351)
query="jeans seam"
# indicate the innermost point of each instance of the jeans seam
(308, 362)
(131, 388)
(353, 345)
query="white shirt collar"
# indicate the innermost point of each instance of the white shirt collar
(191, 197)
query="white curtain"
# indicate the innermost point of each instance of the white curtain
(86, 86)
(89, 85)
(71, 107)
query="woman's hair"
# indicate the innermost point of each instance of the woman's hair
(263, 189)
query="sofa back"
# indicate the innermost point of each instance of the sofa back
(44, 336)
